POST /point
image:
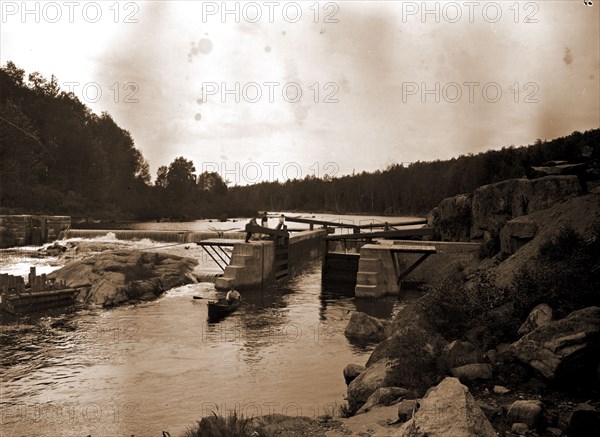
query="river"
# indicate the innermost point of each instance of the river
(144, 368)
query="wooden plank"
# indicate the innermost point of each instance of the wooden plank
(222, 242)
(413, 248)
(401, 233)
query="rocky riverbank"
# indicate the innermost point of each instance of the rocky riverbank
(123, 276)
(508, 343)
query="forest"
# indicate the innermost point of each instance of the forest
(59, 157)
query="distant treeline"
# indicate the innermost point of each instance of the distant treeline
(419, 187)
(58, 157)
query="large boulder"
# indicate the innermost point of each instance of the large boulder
(351, 372)
(383, 396)
(415, 351)
(376, 376)
(539, 316)
(495, 204)
(447, 410)
(114, 278)
(566, 350)
(365, 328)
(472, 372)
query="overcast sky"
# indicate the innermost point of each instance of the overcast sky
(381, 82)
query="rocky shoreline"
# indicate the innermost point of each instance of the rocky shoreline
(508, 344)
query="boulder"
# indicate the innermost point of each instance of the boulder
(383, 396)
(414, 351)
(519, 428)
(567, 350)
(529, 412)
(583, 419)
(539, 316)
(458, 353)
(491, 411)
(113, 278)
(516, 233)
(447, 410)
(363, 327)
(472, 372)
(376, 376)
(495, 204)
(351, 371)
(552, 432)
(406, 409)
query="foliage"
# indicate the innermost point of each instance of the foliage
(221, 426)
(566, 276)
(454, 305)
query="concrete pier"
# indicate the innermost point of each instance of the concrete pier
(382, 266)
(254, 264)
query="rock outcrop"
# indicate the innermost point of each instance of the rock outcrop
(493, 205)
(539, 316)
(365, 328)
(566, 349)
(451, 219)
(447, 410)
(516, 233)
(118, 277)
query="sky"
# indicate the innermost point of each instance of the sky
(263, 91)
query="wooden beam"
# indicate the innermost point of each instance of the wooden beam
(416, 264)
(401, 233)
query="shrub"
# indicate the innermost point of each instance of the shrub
(567, 276)
(220, 426)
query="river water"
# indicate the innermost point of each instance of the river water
(144, 368)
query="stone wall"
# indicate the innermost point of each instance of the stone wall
(22, 230)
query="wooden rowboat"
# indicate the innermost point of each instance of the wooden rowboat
(217, 310)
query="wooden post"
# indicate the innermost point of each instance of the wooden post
(31, 276)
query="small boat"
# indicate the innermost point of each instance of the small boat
(219, 309)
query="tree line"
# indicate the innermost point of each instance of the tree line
(58, 157)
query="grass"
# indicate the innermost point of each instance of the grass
(221, 426)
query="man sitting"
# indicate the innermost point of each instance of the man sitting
(233, 296)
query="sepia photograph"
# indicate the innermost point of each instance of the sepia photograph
(356, 218)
